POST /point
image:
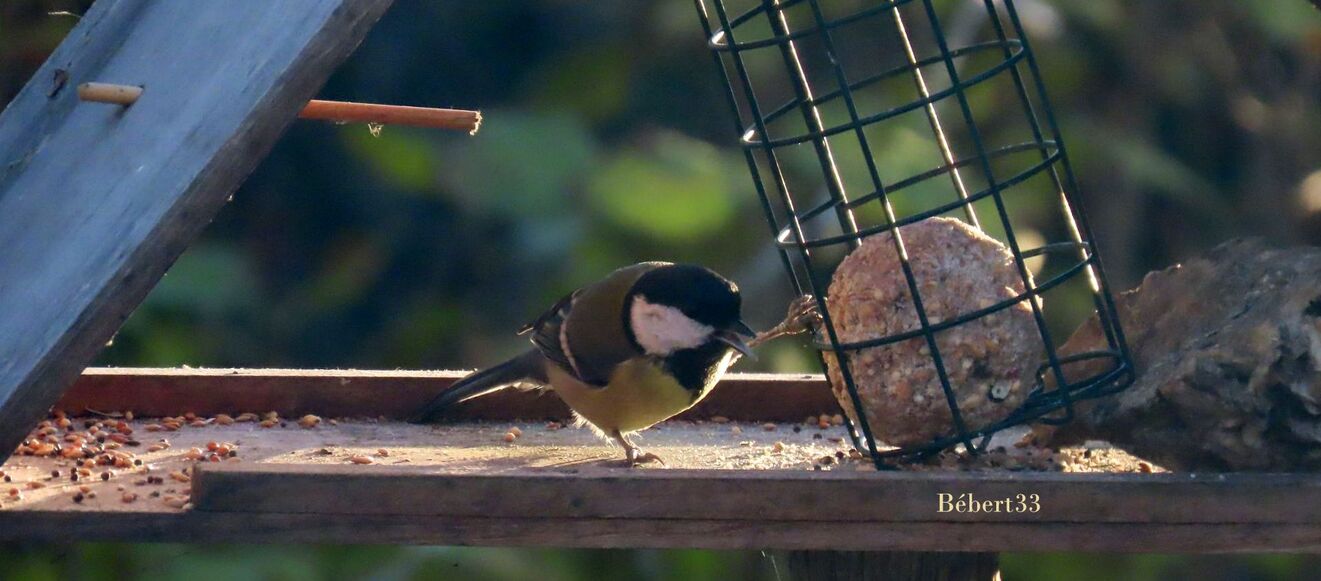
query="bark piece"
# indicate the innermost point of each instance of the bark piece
(1228, 353)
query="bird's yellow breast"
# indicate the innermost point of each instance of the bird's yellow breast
(639, 394)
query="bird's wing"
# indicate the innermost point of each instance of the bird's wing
(547, 333)
(584, 333)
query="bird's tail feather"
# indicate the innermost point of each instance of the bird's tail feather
(528, 367)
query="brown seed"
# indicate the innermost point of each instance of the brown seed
(269, 423)
(180, 476)
(509, 437)
(14, 492)
(309, 421)
(768, 426)
(515, 431)
(106, 475)
(823, 424)
(246, 417)
(129, 497)
(382, 452)
(1144, 467)
(837, 420)
(128, 416)
(198, 423)
(176, 502)
(84, 489)
(360, 460)
(190, 416)
(152, 427)
(224, 419)
(35, 485)
(778, 447)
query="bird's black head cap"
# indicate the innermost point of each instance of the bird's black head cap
(700, 293)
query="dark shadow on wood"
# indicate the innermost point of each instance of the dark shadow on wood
(891, 566)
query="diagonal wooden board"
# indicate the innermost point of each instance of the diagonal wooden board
(97, 201)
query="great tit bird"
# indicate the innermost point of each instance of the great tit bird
(627, 352)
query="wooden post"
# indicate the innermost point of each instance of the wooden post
(97, 201)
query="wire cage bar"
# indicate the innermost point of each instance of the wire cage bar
(859, 117)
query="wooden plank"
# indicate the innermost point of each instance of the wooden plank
(207, 527)
(399, 394)
(97, 201)
(835, 496)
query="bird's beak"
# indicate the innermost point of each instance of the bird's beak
(733, 338)
(743, 329)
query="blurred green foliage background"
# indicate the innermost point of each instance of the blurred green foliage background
(607, 141)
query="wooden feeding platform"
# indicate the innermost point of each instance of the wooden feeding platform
(97, 200)
(743, 471)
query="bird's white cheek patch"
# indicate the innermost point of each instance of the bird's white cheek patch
(662, 330)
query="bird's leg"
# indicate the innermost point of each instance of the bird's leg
(802, 316)
(634, 456)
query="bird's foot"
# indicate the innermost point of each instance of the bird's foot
(637, 458)
(803, 315)
(633, 456)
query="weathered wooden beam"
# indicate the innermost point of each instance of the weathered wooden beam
(771, 495)
(399, 394)
(203, 527)
(97, 201)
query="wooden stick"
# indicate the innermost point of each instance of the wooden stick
(345, 112)
(336, 111)
(107, 93)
